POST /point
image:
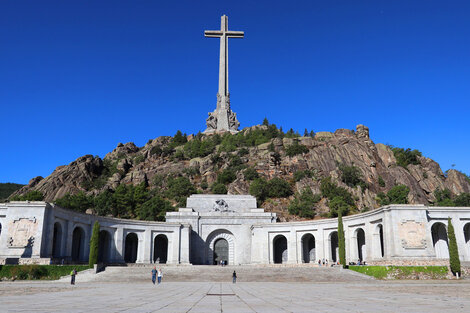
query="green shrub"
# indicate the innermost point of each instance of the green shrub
(250, 174)
(352, 176)
(381, 182)
(6, 189)
(296, 148)
(179, 189)
(463, 200)
(397, 195)
(279, 188)
(218, 189)
(405, 157)
(33, 195)
(443, 197)
(139, 159)
(154, 209)
(79, 202)
(303, 204)
(94, 245)
(156, 150)
(299, 175)
(259, 189)
(227, 176)
(454, 260)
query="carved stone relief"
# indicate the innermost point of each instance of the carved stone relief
(412, 234)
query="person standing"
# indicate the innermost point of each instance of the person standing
(234, 277)
(154, 275)
(73, 273)
(160, 275)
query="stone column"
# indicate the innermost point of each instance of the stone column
(119, 243)
(147, 246)
(69, 230)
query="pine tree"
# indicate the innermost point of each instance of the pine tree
(94, 242)
(265, 122)
(453, 249)
(341, 242)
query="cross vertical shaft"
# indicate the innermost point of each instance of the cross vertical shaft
(223, 119)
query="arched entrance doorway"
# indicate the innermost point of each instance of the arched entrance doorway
(104, 247)
(466, 233)
(381, 240)
(334, 246)
(280, 249)
(220, 251)
(308, 248)
(439, 240)
(361, 244)
(131, 245)
(78, 244)
(216, 247)
(57, 241)
(160, 249)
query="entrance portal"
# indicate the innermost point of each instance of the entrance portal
(308, 248)
(220, 251)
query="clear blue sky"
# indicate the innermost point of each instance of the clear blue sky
(78, 77)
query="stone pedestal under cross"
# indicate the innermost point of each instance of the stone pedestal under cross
(223, 119)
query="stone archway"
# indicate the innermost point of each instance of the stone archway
(439, 240)
(308, 248)
(131, 248)
(104, 247)
(211, 241)
(280, 254)
(78, 244)
(361, 244)
(466, 234)
(160, 249)
(57, 241)
(334, 249)
(380, 230)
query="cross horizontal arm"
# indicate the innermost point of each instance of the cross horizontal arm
(213, 33)
(234, 34)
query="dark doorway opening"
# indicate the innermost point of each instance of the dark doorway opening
(131, 245)
(160, 249)
(280, 249)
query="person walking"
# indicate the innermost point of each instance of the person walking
(234, 277)
(154, 275)
(73, 273)
(160, 275)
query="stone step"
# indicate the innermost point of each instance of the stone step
(206, 273)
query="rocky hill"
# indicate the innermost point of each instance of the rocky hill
(367, 171)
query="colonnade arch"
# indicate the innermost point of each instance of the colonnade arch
(78, 244)
(57, 240)
(334, 250)
(131, 247)
(439, 240)
(308, 248)
(104, 246)
(280, 254)
(466, 234)
(361, 244)
(160, 249)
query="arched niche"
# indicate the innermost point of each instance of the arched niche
(131, 246)
(104, 247)
(160, 249)
(439, 240)
(280, 253)
(214, 238)
(308, 248)
(78, 244)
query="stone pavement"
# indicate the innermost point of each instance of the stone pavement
(269, 297)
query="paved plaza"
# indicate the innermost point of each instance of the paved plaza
(269, 297)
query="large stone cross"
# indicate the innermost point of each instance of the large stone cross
(223, 119)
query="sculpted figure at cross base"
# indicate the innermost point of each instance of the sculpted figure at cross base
(223, 119)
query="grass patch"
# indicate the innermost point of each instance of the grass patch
(402, 272)
(35, 272)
